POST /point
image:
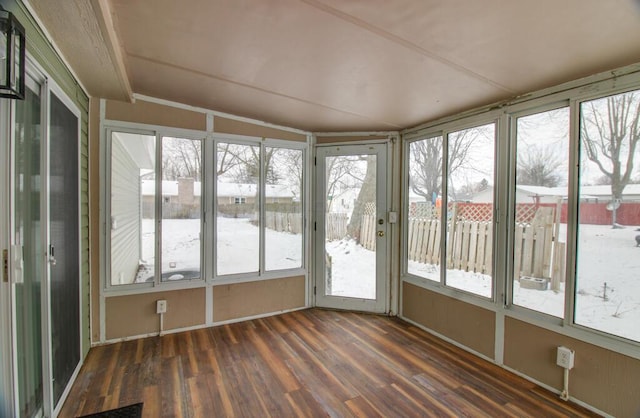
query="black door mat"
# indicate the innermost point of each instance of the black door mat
(130, 411)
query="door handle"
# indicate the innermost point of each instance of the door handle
(52, 258)
(381, 233)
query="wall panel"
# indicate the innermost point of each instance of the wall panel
(155, 114)
(469, 325)
(602, 378)
(241, 300)
(231, 126)
(133, 315)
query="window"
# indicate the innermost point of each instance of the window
(269, 180)
(607, 296)
(283, 217)
(466, 211)
(181, 208)
(238, 225)
(157, 198)
(425, 201)
(135, 179)
(132, 211)
(469, 209)
(540, 208)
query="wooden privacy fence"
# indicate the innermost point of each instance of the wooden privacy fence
(335, 226)
(284, 222)
(538, 251)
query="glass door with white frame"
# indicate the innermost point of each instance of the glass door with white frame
(351, 227)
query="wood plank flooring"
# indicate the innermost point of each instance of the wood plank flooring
(308, 363)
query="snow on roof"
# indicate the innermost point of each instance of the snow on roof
(170, 188)
(542, 191)
(605, 191)
(247, 190)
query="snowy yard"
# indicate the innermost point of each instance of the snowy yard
(606, 256)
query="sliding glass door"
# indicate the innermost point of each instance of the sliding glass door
(41, 267)
(27, 252)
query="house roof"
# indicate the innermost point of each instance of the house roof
(170, 188)
(333, 65)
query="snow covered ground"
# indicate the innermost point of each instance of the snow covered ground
(606, 255)
(237, 246)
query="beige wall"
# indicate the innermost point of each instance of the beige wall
(231, 126)
(471, 326)
(255, 298)
(155, 114)
(601, 378)
(132, 315)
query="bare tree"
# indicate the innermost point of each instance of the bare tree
(342, 173)
(181, 158)
(538, 166)
(426, 158)
(610, 131)
(366, 195)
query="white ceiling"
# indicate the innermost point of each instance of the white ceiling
(339, 65)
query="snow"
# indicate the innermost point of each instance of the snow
(238, 243)
(353, 270)
(605, 255)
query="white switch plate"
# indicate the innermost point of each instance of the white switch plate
(393, 217)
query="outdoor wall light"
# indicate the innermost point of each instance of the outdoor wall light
(12, 56)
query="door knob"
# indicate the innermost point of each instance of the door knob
(381, 233)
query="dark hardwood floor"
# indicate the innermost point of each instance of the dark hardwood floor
(307, 363)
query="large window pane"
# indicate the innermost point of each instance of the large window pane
(237, 197)
(469, 212)
(607, 286)
(425, 198)
(132, 220)
(181, 208)
(283, 208)
(540, 232)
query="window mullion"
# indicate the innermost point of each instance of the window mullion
(158, 210)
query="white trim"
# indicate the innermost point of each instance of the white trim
(255, 277)
(356, 134)
(183, 106)
(616, 77)
(67, 389)
(556, 391)
(163, 130)
(259, 316)
(6, 303)
(447, 339)
(208, 305)
(381, 303)
(197, 327)
(588, 335)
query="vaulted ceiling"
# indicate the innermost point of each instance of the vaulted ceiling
(338, 65)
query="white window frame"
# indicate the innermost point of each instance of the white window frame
(573, 94)
(209, 204)
(443, 130)
(262, 273)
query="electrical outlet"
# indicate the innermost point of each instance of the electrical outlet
(161, 306)
(565, 357)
